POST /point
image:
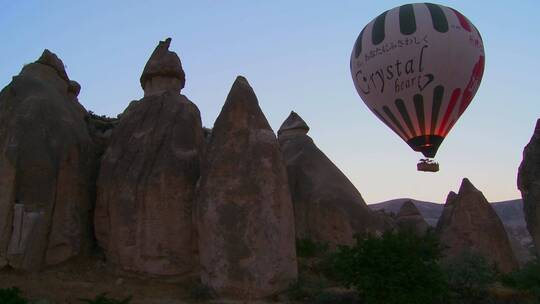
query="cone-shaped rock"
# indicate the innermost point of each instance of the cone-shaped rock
(529, 185)
(47, 168)
(163, 71)
(327, 206)
(245, 217)
(409, 218)
(468, 222)
(146, 186)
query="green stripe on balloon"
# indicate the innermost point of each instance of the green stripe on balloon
(377, 33)
(387, 123)
(394, 120)
(358, 44)
(405, 115)
(419, 107)
(438, 94)
(438, 17)
(407, 20)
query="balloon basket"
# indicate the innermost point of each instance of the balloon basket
(427, 165)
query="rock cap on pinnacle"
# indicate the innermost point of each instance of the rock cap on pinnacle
(293, 122)
(163, 63)
(50, 59)
(537, 128)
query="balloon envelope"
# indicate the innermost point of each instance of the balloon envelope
(417, 67)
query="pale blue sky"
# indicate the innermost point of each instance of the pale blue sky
(296, 56)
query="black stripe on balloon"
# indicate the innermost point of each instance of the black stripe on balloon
(405, 115)
(358, 44)
(438, 93)
(419, 107)
(377, 33)
(407, 21)
(438, 17)
(387, 123)
(394, 120)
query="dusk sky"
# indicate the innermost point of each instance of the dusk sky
(295, 55)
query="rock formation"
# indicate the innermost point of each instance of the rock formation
(409, 218)
(146, 186)
(327, 206)
(468, 222)
(47, 168)
(163, 71)
(529, 184)
(244, 213)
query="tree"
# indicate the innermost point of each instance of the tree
(398, 267)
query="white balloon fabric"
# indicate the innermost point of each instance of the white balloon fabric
(417, 67)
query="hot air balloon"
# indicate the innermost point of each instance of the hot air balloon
(417, 67)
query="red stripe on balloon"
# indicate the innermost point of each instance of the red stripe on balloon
(450, 125)
(449, 110)
(472, 86)
(462, 21)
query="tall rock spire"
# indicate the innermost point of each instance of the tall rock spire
(244, 213)
(146, 186)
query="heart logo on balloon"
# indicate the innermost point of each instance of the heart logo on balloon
(429, 79)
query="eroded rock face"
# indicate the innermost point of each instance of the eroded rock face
(244, 213)
(47, 168)
(529, 184)
(327, 206)
(146, 186)
(409, 218)
(468, 222)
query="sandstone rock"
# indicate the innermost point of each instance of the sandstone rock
(163, 71)
(468, 222)
(143, 216)
(327, 206)
(529, 184)
(50, 59)
(409, 218)
(74, 88)
(245, 217)
(47, 168)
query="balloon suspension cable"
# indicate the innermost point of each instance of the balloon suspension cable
(427, 165)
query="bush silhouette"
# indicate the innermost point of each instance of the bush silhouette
(11, 296)
(398, 267)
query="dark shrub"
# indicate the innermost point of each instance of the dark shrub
(307, 248)
(103, 299)
(469, 275)
(398, 267)
(11, 296)
(526, 279)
